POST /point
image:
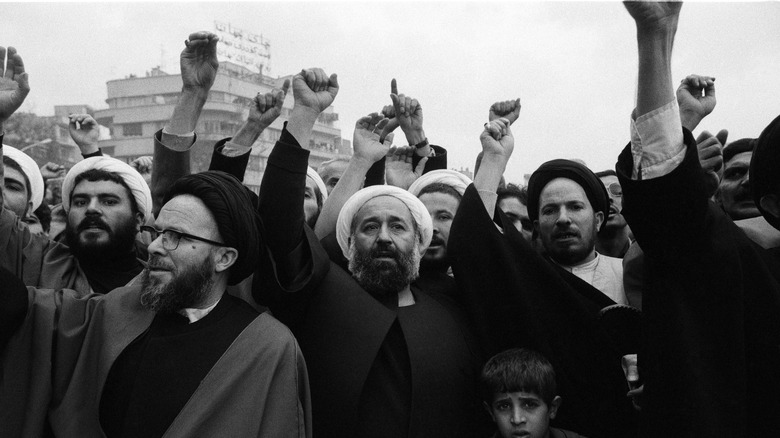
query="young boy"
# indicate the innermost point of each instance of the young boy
(519, 394)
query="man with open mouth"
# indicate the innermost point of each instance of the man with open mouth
(569, 205)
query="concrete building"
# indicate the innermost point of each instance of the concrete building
(140, 106)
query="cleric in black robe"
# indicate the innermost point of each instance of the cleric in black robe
(375, 368)
(515, 297)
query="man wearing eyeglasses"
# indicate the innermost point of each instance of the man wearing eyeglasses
(614, 238)
(172, 356)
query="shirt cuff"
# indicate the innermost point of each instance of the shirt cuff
(177, 142)
(231, 149)
(657, 142)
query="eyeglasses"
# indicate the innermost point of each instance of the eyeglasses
(615, 190)
(170, 238)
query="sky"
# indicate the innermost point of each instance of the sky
(572, 64)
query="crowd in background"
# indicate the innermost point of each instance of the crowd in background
(384, 295)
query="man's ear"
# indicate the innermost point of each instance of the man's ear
(28, 211)
(771, 204)
(599, 215)
(554, 405)
(139, 220)
(490, 411)
(225, 258)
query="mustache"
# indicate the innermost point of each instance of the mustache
(93, 222)
(155, 263)
(565, 232)
(436, 240)
(382, 251)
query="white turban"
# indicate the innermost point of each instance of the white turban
(456, 180)
(31, 171)
(311, 173)
(355, 202)
(138, 187)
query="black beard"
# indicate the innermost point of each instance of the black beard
(383, 277)
(187, 289)
(120, 240)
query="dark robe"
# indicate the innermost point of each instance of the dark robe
(156, 374)
(711, 311)
(517, 298)
(344, 331)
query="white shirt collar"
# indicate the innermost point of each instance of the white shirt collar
(195, 315)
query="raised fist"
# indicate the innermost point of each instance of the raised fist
(267, 107)
(83, 130)
(199, 62)
(651, 15)
(497, 139)
(52, 170)
(508, 109)
(314, 89)
(696, 97)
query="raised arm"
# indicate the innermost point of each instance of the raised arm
(231, 155)
(199, 66)
(656, 134)
(497, 146)
(656, 26)
(264, 110)
(13, 90)
(284, 180)
(367, 150)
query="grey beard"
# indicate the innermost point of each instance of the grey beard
(384, 277)
(187, 289)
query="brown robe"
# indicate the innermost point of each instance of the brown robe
(57, 362)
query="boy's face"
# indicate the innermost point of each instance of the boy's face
(522, 414)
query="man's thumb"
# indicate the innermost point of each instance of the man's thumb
(722, 136)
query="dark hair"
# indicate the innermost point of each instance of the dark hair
(604, 173)
(738, 147)
(93, 175)
(232, 207)
(438, 187)
(10, 162)
(519, 369)
(513, 191)
(43, 213)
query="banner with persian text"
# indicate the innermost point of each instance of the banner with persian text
(243, 48)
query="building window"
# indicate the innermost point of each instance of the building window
(132, 129)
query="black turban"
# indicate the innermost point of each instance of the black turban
(737, 147)
(232, 208)
(594, 188)
(765, 168)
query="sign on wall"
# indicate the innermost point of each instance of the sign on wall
(243, 48)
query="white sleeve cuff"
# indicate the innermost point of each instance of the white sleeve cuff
(177, 142)
(657, 142)
(231, 149)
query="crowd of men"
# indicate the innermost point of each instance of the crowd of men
(384, 295)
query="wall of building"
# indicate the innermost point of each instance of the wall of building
(140, 106)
